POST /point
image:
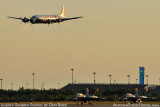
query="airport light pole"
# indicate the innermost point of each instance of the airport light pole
(72, 75)
(147, 78)
(27, 85)
(94, 73)
(43, 86)
(136, 81)
(33, 79)
(59, 85)
(75, 82)
(12, 86)
(128, 79)
(110, 78)
(114, 81)
(1, 83)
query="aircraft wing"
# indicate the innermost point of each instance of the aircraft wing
(65, 19)
(88, 99)
(134, 99)
(15, 18)
(148, 99)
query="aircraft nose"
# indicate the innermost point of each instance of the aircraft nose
(32, 20)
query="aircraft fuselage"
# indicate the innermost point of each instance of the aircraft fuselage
(46, 19)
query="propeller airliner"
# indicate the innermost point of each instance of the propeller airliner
(46, 19)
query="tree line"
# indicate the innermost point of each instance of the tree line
(31, 95)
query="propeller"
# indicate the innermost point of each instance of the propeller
(25, 20)
(49, 21)
(59, 20)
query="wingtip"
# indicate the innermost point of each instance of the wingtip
(9, 17)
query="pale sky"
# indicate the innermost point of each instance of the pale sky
(114, 37)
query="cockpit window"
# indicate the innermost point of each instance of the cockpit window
(34, 17)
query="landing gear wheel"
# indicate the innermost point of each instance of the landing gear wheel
(90, 102)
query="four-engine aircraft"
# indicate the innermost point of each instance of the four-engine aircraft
(46, 19)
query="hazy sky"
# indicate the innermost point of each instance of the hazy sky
(114, 37)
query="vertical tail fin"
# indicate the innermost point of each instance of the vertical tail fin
(87, 92)
(136, 92)
(62, 12)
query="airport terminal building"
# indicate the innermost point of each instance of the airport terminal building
(152, 89)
